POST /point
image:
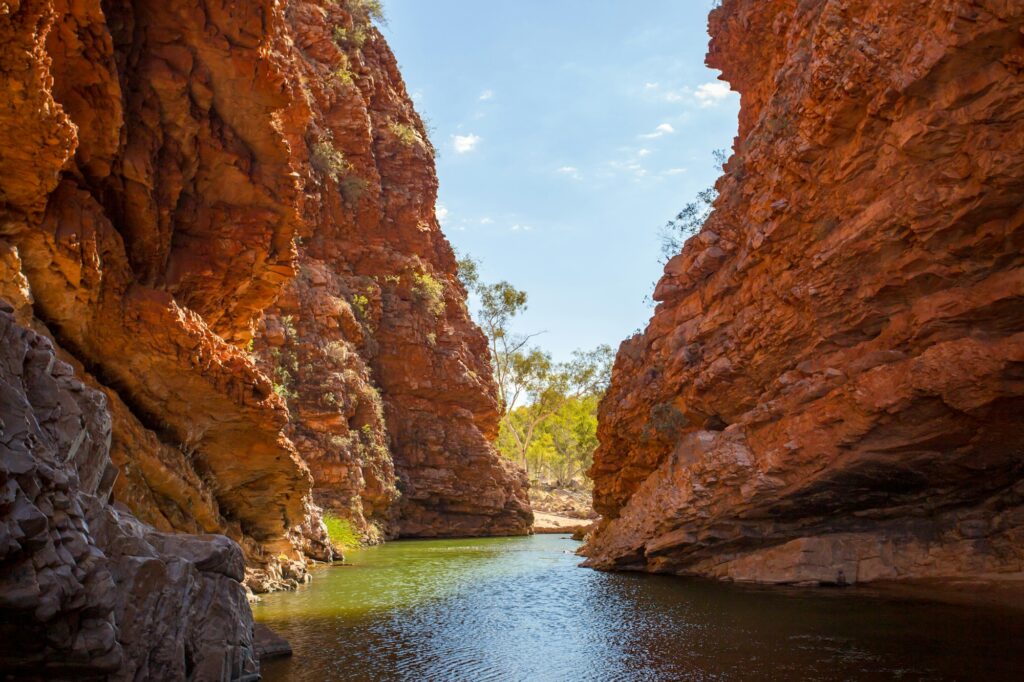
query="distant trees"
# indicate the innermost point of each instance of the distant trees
(549, 409)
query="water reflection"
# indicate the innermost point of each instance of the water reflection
(520, 609)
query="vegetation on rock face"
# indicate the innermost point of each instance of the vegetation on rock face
(691, 218)
(429, 291)
(549, 409)
(328, 159)
(343, 536)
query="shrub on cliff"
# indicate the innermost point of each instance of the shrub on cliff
(691, 218)
(429, 291)
(327, 159)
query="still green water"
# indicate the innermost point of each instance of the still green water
(521, 609)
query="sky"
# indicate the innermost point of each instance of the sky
(568, 133)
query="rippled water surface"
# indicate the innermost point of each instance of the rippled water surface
(520, 609)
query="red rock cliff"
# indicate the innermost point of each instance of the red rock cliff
(166, 170)
(388, 381)
(831, 388)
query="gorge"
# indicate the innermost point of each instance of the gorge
(228, 310)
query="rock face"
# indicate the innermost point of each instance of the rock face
(86, 590)
(148, 203)
(831, 388)
(392, 400)
(176, 180)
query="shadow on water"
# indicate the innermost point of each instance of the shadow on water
(521, 609)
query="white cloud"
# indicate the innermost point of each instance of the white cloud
(643, 152)
(651, 86)
(660, 131)
(675, 171)
(486, 95)
(486, 221)
(521, 228)
(711, 94)
(465, 143)
(572, 171)
(442, 213)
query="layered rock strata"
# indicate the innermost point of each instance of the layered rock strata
(166, 172)
(392, 400)
(148, 201)
(831, 388)
(86, 590)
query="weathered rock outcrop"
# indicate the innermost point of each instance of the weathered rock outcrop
(86, 590)
(165, 172)
(832, 386)
(392, 399)
(148, 201)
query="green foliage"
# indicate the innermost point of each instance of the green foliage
(549, 422)
(288, 322)
(353, 37)
(562, 445)
(691, 219)
(285, 366)
(342, 534)
(429, 291)
(328, 159)
(405, 133)
(365, 11)
(361, 304)
(344, 75)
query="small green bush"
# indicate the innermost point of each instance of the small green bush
(429, 291)
(344, 75)
(354, 37)
(405, 133)
(362, 305)
(367, 10)
(328, 159)
(342, 534)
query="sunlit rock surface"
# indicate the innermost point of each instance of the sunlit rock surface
(831, 389)
(387, 379)
(177, 180)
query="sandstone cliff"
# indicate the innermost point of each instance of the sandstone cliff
(222, 215)
(86, 590)
(392, 400)
(832, 386)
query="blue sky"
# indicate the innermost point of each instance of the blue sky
(568, 132)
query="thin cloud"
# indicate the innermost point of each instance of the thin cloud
(675, 171)
(486, 221)
(521, 228)
(442, 213)
(660, 131)
(711, 94)
(486, 95)
(643, 152)
(465, 143)
(571, 171)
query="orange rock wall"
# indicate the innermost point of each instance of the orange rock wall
(387, 379)
(832, 385)
(164, 180)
